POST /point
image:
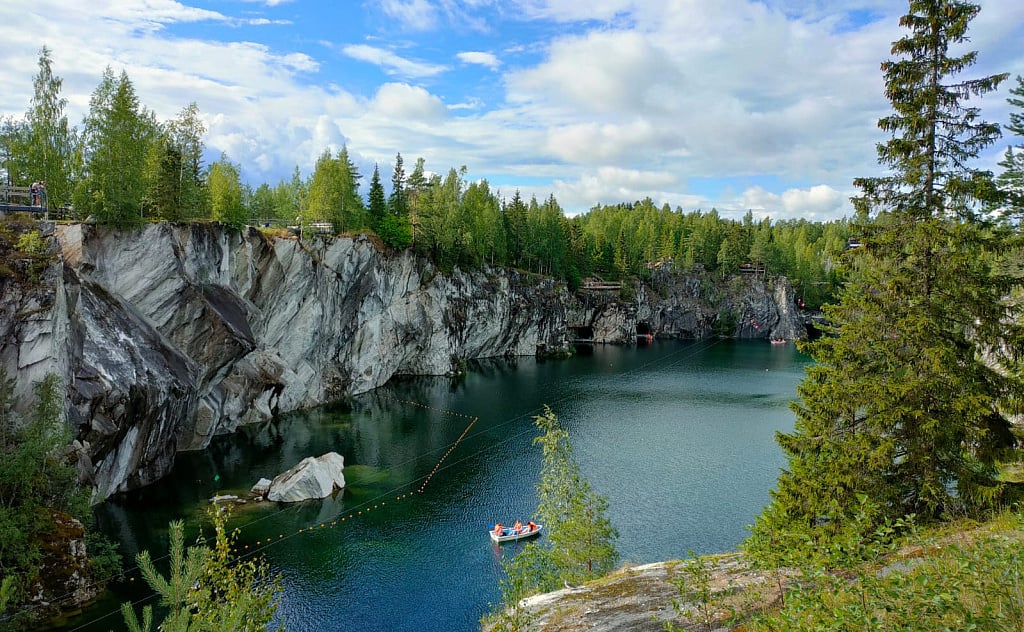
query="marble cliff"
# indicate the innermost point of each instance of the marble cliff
(171, 334)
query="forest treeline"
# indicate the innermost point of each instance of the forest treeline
(122, 166)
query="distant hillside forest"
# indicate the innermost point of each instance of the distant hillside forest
(122, 166)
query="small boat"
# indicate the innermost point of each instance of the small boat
(508, 534)
(778, 341)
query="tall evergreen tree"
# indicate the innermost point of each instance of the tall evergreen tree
(902, 413)
(1011, 180)
(377, 201)
(514, 220)
(398, 202)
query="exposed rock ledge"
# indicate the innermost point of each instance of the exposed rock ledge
(171, 334)
(639, 598)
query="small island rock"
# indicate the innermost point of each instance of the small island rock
(261, 487)
(312, 478)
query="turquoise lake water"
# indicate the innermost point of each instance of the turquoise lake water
(678, 436)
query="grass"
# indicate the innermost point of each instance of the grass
(961, 576)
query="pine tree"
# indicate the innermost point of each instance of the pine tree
(900, 414)
(377, 203)
(208, 589)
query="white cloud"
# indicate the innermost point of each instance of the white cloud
(416, 15)
(592, 143)
(818, 202)
(610, 185)
(479, 58)
(391, 63)
(628, 98)
(601, 72)
(409, 104)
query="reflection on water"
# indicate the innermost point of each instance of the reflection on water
(678, 436)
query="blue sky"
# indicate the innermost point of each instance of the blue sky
(733, 104)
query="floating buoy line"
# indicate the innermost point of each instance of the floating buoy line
(247, 550)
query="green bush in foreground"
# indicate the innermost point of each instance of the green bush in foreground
(968, 585)
(208, 589)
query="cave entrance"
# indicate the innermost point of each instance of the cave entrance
(644, 333)
(583, 333)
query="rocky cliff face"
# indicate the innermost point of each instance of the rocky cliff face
(172, 334)
(695, 306)
(169, 335)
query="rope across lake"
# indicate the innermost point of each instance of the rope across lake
(396, 494)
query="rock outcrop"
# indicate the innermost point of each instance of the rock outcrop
(171, 334)
(65, 579)
(694, 307)
(313, 477)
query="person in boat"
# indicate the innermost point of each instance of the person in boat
(518, 526)
(499, 530)
(531, 526)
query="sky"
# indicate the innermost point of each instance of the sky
(768, 105)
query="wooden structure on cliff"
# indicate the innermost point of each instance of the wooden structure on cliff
(597, 284)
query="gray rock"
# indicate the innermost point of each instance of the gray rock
(169, 335)
(261, 487)
(317, 477)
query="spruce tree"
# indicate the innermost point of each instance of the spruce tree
(398, 202)
(377, 202)
(902, 412)
(1011, 180)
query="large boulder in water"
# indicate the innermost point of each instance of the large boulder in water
(313, 477)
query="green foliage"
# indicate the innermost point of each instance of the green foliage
(396, 232)
(31, 243)
(378, 203)
(694, 588)
(175, 187)
(333, 193)
(900, 415)
(398, 201)
(208, 589)
(7, 589)
(579, 540)
(117, 140)
(1011, 180)
(35, 479)
(225, 186)
(975, 585)
(50, 152)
